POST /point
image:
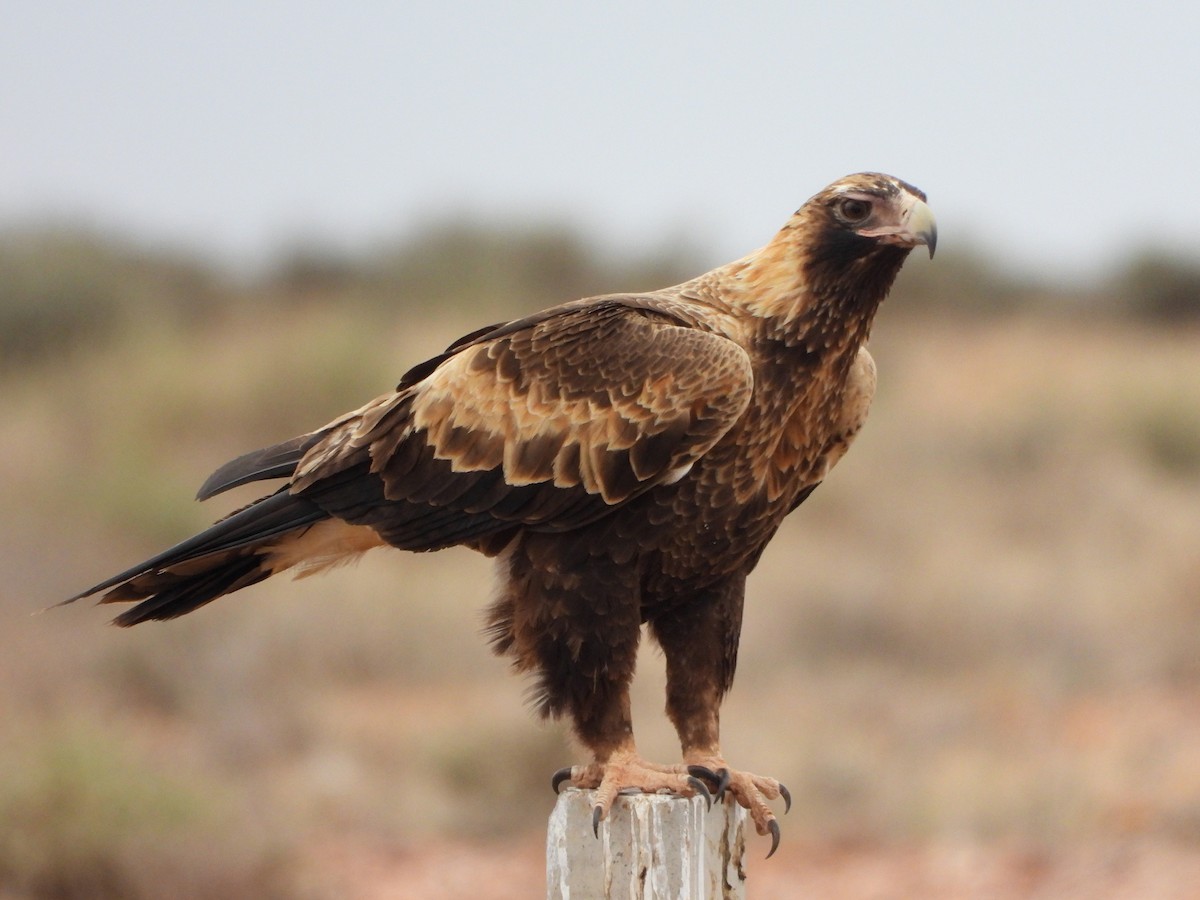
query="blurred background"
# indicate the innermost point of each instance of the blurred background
(973, 655)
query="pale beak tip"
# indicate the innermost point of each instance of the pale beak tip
(923, 226)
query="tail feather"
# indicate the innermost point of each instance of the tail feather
(259, 521)
(230, 555)
(191, 593)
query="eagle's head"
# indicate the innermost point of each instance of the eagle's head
(837, 256)
(850, 240)
(857, 214)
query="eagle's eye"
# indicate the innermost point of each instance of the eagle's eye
(854, 210)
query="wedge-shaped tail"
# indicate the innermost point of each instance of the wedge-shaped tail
(237, 551)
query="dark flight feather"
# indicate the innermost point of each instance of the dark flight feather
(262, 520)
(277, 461)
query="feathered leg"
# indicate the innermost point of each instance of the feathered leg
(700, 639)
(577, 628)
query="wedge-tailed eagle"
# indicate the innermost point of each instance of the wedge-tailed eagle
(626, 458)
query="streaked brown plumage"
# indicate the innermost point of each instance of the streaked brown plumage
(626, 458)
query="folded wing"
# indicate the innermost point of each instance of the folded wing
(548, 423)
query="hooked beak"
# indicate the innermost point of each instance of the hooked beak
(916, 226)
(922, 226)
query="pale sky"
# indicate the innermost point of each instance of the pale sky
(1053, 136)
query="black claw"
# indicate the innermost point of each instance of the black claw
(559, 777)
(704, 772)
(596, 815)
(773, 827)
(722, 782)
(787, 799)
(700, 788)
(719, 778)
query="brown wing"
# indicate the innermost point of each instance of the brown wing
(548, 423)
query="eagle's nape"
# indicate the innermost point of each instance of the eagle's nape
(625, 458)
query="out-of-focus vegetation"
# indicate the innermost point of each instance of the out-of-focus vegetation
(984, 626)
(1159, 287)
(62, 287)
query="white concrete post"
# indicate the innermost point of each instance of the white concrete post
(651, 847)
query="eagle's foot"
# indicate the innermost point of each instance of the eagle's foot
(751, 791)
(626, 773)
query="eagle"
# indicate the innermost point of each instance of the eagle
(625, 459)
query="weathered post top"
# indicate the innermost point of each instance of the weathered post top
(651, 847)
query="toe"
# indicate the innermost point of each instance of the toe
(753, 792)
(626, 774)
